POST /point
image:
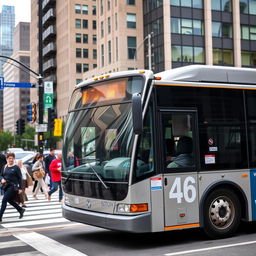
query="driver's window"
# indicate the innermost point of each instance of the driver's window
(145, 159)
(178, 141)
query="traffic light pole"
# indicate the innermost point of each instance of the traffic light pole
(40, 82)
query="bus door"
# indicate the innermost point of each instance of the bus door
(180, 154)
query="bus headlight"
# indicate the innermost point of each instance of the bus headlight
(130, 208)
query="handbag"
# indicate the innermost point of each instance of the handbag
(4, 186)
(29, 179)
(38, 174)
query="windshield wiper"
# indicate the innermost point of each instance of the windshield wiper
(98, 176)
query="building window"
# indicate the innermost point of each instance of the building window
(85, 38)
(85, 9)
(109, 5)
(130, 2)
(78, 52)
(131, 45)
(223, 57)
(131, 20)
(78, 68)
(116, 23)
(94, 54)
(187, 54)
(248, 59)
(109, 52)
(85, 53)
(224, 30)
(222, 5)
(94, 39)
(248, 32)
(78, 81)
(78, 23)
(187, 26)
(116, 48)
(85, 67)
(94, 12)
(102, 29)
(94, 24)
(78, 8)
(188, 3)
(85, 24)
(109, 25)
(248, 6)
(94, 65)
(101, 7)
(78, 38)
(102, 55)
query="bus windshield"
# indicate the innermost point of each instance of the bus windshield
(99, 138)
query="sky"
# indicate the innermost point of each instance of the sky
(22, 9)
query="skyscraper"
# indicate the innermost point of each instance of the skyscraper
(7, 22)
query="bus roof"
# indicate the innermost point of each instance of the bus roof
(210, 74)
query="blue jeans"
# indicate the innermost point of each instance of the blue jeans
(54, 188)
(8, 197)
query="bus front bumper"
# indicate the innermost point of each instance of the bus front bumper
(137, 224)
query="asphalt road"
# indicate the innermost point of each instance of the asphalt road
(94, 241)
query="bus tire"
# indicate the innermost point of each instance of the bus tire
(221, 213)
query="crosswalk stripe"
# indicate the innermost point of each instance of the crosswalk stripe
(34, 222)
(9, 210)
(35, 217)
(33, 253)
(31, 213)
(9, 244)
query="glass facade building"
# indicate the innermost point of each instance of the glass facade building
(7, 23)
(212, 32)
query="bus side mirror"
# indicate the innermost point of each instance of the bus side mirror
(137, 113)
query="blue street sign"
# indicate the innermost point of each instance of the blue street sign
(1, 83)
(20, 85)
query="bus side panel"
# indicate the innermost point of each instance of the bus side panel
(253, 192)
(240, 178)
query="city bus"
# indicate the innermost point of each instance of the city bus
(148, 152)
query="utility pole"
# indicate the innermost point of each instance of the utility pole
(40, 82)
(149, 53)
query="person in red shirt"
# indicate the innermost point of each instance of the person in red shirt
(55, 169)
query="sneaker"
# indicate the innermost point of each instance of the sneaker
(22, 213)
(49, 197)
(35, 197)
(24, 206)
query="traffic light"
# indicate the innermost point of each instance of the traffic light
(31, 112)
(51, 117)
(20, 126)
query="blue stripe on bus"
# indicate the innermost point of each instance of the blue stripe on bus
(253, 192)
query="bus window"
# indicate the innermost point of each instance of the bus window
(178, 140)
(145, 160)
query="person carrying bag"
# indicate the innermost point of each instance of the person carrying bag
(11, 180)
(38, 175)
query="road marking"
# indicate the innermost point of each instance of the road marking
(210, 248)
(9, 244)
(35, 253)
(34, 217)
(33, 222)
(16, 214)
(47, 245)
(35, 208)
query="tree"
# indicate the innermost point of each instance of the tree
(6, 140)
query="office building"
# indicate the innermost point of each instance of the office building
(15, 100)
(7, 22)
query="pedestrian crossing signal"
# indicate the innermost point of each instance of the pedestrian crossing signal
(32, 112)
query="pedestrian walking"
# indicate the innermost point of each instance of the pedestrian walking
(11, 179)
(55, 169)
(2, 164)
(48, 159)
(35, 181)
(22, 197)
(38, 174)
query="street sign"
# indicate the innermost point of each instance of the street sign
(1, 83)
(19, 85)
(48, 100)
(57, 127)
(48, 87)
(41, 128)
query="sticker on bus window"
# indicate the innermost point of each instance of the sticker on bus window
(213, 149)
(209, 159)
(156, 184)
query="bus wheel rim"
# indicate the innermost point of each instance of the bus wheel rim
(221, 212)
